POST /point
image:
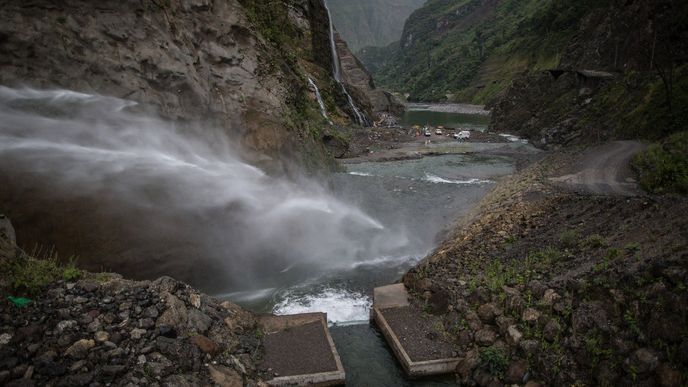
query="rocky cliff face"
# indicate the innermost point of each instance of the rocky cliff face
(215, 61)
(360, 82)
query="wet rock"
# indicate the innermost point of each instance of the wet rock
(537, 288)
(225, 376)
(485, 337)
(83, 379)
(530, 315)
(488, 312)
(113, 370)
(195, 300)
(514, 336)
(465, 338)
(79, 349)
(642, 361)
(176, 314)
(167, 331)
(205, 344)
(198, 321)
(668, 376)
(439, 301)
(468, 364)
(503, 323)
(552, 330)
(50, 368)
(516, 372)
(590, 315)
(77, 365)
(550, 297)
(66, 325)
(529, 347)
(102, 336)
(5, 338)
(137, 333)
(606, 374)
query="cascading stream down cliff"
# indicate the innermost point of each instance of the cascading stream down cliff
(318, 97)
(337, 72)
(186, 184)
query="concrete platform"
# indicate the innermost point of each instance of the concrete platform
(300, 350)
(392, 297)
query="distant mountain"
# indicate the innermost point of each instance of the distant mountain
(364, 23)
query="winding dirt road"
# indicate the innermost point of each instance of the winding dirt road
(604, 170)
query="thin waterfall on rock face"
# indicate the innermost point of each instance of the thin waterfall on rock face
(321, 103)
(337, 73)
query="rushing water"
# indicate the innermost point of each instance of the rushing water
(337, 72)
(318, 97)
(287, 247)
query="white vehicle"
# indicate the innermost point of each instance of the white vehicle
(462, 135)
(438, 132)
(427, 133)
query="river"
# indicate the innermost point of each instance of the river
(419, 199)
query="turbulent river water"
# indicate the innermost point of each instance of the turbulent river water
(421, 198)
(270, 244)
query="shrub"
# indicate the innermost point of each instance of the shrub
(494, 360)
(569, 239)
(663, 168)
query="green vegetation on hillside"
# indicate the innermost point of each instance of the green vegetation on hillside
(470, 50)
(663, 168)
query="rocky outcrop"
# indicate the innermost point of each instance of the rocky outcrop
(102, 329)
(360, 84)
(190, 60)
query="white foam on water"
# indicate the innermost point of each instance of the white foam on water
(341, 306)
(360, 173)
(440, 180)
(512, 138)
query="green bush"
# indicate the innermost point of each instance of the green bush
(28, 275)
(494, 360)
(663, 168)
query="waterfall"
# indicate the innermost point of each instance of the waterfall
(321, 103)
(337, 72)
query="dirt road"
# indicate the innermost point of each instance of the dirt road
(604, 170)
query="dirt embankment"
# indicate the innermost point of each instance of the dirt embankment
(549, 286)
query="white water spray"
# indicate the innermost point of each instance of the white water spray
(337, 72)
(185, 189)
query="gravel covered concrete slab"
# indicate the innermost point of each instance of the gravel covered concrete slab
(300, 351)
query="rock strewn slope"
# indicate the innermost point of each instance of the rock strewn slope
(104, 330)
(560, 288)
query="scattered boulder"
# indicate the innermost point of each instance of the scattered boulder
(485, 337)
(642, 361)
(205, 344)
(79, 349)
(225, 376)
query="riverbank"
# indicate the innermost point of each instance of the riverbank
(547, 285)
